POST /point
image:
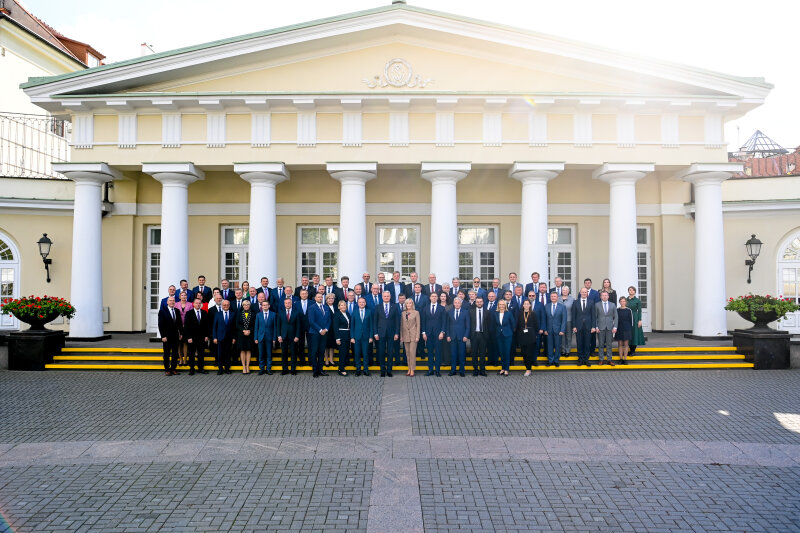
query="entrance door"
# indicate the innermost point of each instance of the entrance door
(152, 295)
(643, 260)
(9, 279)
(789, 281)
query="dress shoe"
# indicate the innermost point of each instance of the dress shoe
(316, 374)
(203, 371)
(482, 373)
(175, 373)
(388, 374)
(219, 372)
(461, 374)
(438, 374)
(323, 373)
(227, 370)
(167, 373)
(262, 372)
(451, 374)
(191, 372)
(557, 365)
(284, 372)
(383, 374)
(429, 373)
(366, 372)
(269, 372)
(294, 372)
(358, 373)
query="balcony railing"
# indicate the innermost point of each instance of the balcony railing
(30, 144)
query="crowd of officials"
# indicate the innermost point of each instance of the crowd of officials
(390, 323)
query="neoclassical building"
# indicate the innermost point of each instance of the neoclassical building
(399, 138)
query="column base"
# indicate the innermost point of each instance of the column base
(707, 337)
(103, 337)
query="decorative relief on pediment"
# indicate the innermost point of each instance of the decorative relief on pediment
(397, 73)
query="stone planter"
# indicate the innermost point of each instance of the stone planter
(33, 349)
(763, 318)
(36, 323)
(767, 349)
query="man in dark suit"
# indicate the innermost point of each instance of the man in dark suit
(303, 305)
(534, 284)
(263, 336)
(583, 325)
(319, 325)
(458, 330)
(223, 336)
(433, 322)
(305, 284)
(341, 292)
(455, 288)
(593, 297)
(328, 288)
(386, 330)
(414, 277)
(252, 295)
(496, 289)
(184, 287)
(512, 283)
(432, 287)
(361, 334)
(197, 328)
(236, 304)
(170, 294)
(213, 310)
(605, 325)
(170, 329)
(290, 326)
(491, 342)
(556, 327)
(203, 290)
(227, 292)
(277, 294)
(366, 286)
(480, 292)
(480, 320)
(558, 284)
(395, 287)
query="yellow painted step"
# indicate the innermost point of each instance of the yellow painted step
(643, 349)
(420, 369)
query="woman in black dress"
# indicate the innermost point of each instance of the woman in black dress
(527, 329)
(245, 322)
(624, 329)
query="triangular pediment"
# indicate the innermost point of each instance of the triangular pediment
(453, 54)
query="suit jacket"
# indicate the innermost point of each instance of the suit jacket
(426, 288)
(410, 326)
(341, 325)
(167, 327)
(607, 320)
(268, 292)
(532, 325)
(531, 287)
(487, 323)
(189, 295)
(433, 323)
(164, 301)
(420, 301)
(509, 287)
(480, 292)
(497, 292)
(539, 309)
(361, 330)
(266, 331)
(366, 287)
(553, 289)
(276, 296)
(516, 305)
(386, 327)
(595, 296)
(458, 328)
(319, 319)
(291, 327)
(197, 330)
(409, 290)
(231, 296)
(310, 288)
(206, 292)
(341, 294)
(222, 331)
(371, 301)
(556, 322)
(394, 290)
(506, 328)
(583, 320)
(304, 315)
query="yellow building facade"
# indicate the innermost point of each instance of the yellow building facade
(398, 139)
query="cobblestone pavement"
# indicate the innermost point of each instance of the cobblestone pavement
(640, 451)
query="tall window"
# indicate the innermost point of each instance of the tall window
(561, 255)
(398, 249)
(477, 254)
(789, 280)
(153, 275)
(643, 274)
(235, 240)
(9, 279)
(317, 251)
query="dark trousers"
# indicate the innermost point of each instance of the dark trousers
(343, 350)
(265, 355)
(553, 347)
(362, 351)
(301, 348)
(170, 355)
(458, 355)
(197, 351)
(316, 351)
(434, 360)
(478, 344)
(289, 355)
(386, 353)
(583, 338)
(541, 344)
(504, 349)
(224, 354)
(399, 355)
(529, 354)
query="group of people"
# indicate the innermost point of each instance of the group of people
(392, 323)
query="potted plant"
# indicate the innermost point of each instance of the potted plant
(761, 310)
(37, 311)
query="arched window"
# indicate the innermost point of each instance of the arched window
(789, 279)
(9, 278)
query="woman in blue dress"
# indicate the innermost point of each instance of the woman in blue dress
(624, 329)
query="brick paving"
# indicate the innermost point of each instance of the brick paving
(656, 451)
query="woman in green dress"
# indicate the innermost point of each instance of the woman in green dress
(635, 305)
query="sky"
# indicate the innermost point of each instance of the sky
(744, 38)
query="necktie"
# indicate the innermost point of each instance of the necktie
(172, 312)
(554, 310)
(605, 307)
(478, 325)
(362, 315)
(322, 309)
(433, 309)
(583, 305)
(265, 318)
(226, 317)
(387, 310)
(456, 314)
(198, 316)
(288, 314)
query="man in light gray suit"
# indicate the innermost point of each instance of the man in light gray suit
(512, 282)
(605, 319)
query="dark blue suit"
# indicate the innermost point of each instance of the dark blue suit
(386, 326)
(318, 320)
(593, 297)
(288, 329)
(583, 321)
(556, 323)
(433, 324)
(224, 333)
(504, 332)
(457, 330)
(362, 332)
(538, 309)
(265, 334)
(301, 344)
(205, 292)
(170, 328)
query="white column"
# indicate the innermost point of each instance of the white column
(87, 246)
(352, 256)
(175, 179)
(533, 216)
(709, 318)
(444, 216)
(622, 242)
(262, 251)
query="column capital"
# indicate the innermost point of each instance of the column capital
(705, 173)
(454, 171)
(527, 171)
(354, 171)
(255, 173)
(622, 172)
(174, 173)
(97, 173)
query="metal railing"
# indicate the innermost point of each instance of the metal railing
(30, 144)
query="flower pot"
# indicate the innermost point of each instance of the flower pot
(763, 318)
(36, 323)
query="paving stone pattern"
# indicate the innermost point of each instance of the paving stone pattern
(672, 405)
(492, 495)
